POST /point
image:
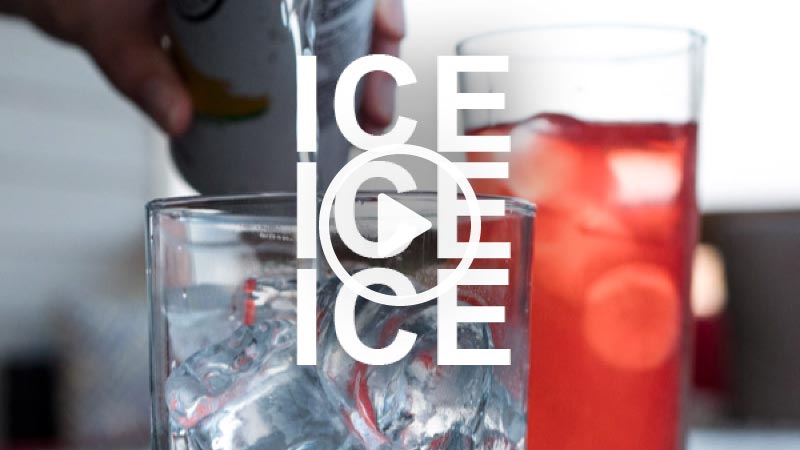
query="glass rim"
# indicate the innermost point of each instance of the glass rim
(202, 202)
(695, 38)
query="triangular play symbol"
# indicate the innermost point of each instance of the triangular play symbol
(397, 226)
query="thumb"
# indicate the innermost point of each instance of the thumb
(141, 70)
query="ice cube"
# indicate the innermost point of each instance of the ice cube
(502, 417)
(453, 440)
(495, 440)
(644, 176)
(270, 297)
(414, 402)
(544, 164)
(248, 393)
(198, 316)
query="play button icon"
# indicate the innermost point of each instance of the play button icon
(397, 226)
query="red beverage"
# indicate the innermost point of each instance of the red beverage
(615, 231)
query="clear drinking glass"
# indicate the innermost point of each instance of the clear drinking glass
(603, 121)
(223, 277)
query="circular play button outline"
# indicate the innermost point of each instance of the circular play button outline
(453, 278)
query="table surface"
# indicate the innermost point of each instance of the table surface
(744, 440)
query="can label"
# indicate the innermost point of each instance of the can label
(344, 32)
(239, 63)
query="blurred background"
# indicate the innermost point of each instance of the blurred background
(78, 163)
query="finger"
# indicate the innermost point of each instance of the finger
(390, 20)
(378, 104)
(141, 70)
(377, 109)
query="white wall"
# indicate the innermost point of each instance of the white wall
(76, 165)
(749, 156)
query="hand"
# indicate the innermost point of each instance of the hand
(124, 39)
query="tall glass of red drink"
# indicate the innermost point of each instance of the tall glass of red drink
(603, 121)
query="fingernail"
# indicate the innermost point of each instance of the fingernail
(162, 104)
(176, 118)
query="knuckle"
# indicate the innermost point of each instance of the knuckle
(67, 20)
